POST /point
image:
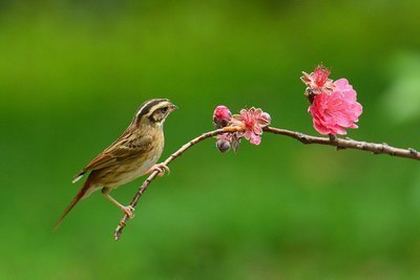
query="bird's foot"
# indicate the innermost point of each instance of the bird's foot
(162, 168)
(128, 210)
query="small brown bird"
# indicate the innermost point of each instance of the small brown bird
(132, 155)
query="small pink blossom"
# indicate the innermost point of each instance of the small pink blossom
(221, 116)
(335, 112)
(253, 121)
(318, 81)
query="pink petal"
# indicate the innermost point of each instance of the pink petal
(334, 113)
(255, 139)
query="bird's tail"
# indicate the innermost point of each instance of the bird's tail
(82, 193)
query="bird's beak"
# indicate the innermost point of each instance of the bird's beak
(173, 107)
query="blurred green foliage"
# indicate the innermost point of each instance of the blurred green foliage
(72, 74)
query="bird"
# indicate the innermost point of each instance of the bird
(134, 154)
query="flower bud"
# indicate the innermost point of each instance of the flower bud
(265, 119)
(223, 145)
(221, 116)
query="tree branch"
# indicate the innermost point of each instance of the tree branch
(339, 143)
(347, 143)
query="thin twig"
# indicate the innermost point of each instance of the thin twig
(339, 143)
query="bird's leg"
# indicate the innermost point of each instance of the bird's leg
(128, 210)
(162, 168)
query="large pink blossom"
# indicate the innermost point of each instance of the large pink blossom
(333, 113)
(253, 121)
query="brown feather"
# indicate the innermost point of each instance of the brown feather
(119, 151)
(82, 192)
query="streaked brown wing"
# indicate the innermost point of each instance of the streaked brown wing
(119, 151)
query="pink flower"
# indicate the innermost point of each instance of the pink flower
(253, 121)
(335, 112)
(318, 82)
(221, 116)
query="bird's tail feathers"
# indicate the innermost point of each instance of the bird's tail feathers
(78, 177)
(81, 194)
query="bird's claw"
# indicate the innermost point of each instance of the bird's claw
(129, 211)
(161, 168)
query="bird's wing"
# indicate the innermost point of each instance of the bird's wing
(122, 149)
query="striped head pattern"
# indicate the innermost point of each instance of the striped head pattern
(154, 112)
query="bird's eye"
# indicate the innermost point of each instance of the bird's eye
(164, 109)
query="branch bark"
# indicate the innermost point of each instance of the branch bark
(347, 143)
(339, 143)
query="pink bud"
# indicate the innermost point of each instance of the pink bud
(265, 119)
(221, 116)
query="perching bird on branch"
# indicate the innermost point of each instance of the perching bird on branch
(132, 155)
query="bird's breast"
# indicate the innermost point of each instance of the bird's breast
(139, 168)
(130, 168)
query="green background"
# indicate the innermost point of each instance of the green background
(72, 74)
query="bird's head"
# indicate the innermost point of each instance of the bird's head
(153, 112)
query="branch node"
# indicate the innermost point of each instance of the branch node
(378, 149)
(413, 151)
(303, 138)
(388, 149)
(333, 138)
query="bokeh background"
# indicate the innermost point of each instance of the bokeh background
(72, 74)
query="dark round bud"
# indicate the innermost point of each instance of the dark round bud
(223, 145)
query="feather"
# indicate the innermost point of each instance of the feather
(82, 192)
(78, 177)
